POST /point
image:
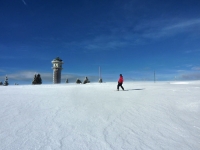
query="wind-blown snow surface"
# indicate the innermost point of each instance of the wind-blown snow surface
(149, 116)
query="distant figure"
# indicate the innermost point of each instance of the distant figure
(86, 80)
(78, 81)
(120, 82)
(100, 80)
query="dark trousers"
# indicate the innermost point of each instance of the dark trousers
(120, 85)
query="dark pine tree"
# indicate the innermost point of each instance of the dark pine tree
(37, 79)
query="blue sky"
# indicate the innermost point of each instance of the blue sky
(132, 37)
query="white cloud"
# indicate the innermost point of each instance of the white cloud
(24, 2)
(183, 24)
(28, 76)
(121, 36)
(105, 45)
(180, 71)
(192, 51)
(24, 75)
(98, 43)
(165, 28)
(73, 77)
(2, 70)
(190, 76)
(196, 68)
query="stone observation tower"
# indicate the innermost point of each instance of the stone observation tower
(57, 67)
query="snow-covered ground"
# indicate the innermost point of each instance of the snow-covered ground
(149, 116)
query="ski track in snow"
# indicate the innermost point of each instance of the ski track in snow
(148, 116)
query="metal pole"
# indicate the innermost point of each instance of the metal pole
(99, 72)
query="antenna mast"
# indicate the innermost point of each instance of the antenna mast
(99, 72)
(100, 79)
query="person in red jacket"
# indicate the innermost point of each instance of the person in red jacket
(120, 82)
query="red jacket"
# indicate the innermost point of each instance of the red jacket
(121, 80)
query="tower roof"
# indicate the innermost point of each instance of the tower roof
(57, 59)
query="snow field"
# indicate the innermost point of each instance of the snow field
(149, 116)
